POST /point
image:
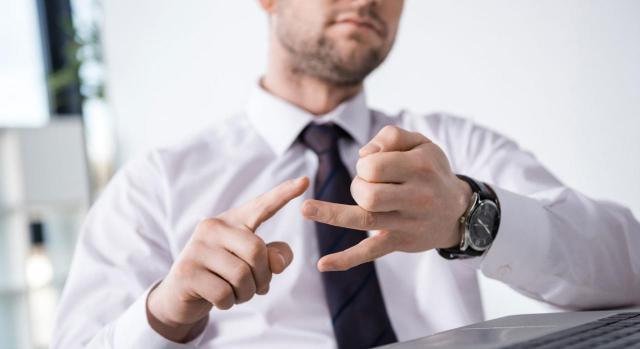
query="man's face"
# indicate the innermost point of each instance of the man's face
(337, 41)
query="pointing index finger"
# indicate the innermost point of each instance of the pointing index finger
(347, 216)
(263, 207)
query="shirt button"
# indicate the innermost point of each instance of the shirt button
(504, 271)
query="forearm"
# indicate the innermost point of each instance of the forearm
(566, 249)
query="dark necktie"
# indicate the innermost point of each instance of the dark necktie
(354, 297)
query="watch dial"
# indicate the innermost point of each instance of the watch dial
(482, 224)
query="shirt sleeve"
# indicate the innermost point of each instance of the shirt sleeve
(554, 243)
(121, 252)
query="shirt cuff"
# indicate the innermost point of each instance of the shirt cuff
(132, 329)
(522, 240)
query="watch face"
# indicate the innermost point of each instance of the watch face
(482, 224)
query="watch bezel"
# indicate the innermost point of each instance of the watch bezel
(476, 208)
(482, 193)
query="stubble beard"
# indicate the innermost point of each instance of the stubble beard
(320, 58)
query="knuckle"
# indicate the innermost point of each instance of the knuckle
(198, 246)
(361, 168)
(255, 250)
(422, 162)
(226, 291)
(357, 191)
(209, 224)
(370, 200)
(331, 216)
(368, 169)
(355, 187)
(245, 295)
(225, 304)
(185, 270)
(369, 220)
(244, 286)
(225, 297)
(392, 134)
(241, 273)
(244, 298)
(198, 240)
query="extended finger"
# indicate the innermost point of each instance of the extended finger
(393, 138)
(365, 251)
(233, 270)
(266, 205)
(280, 256)
(348, 216)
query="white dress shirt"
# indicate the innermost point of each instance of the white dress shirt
(554, 244)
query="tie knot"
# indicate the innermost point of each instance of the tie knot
(322, 138)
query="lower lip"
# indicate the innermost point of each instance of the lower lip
(358, 25)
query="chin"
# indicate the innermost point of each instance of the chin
(358, 57)
(354, 49)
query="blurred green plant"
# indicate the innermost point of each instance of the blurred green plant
(84, 56)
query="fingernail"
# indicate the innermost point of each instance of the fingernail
(369, 149)
(299, 180)
(309, 210)
(284, 262)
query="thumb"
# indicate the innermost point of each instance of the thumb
(280, 256)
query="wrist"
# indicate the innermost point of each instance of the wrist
(463, 201)
(160, 321)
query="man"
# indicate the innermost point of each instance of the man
(181, 248)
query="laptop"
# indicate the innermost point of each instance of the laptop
(588, 329)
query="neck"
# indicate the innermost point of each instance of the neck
(307, 92)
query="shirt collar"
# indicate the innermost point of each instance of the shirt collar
(280, 122)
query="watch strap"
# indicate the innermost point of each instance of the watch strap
(484, 191)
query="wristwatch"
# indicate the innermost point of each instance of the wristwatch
(478, 225)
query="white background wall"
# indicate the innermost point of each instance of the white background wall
(560, 76)
(23, 94)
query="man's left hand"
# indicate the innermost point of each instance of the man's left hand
(406, 193)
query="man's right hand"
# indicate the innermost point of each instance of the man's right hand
(224, 263)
